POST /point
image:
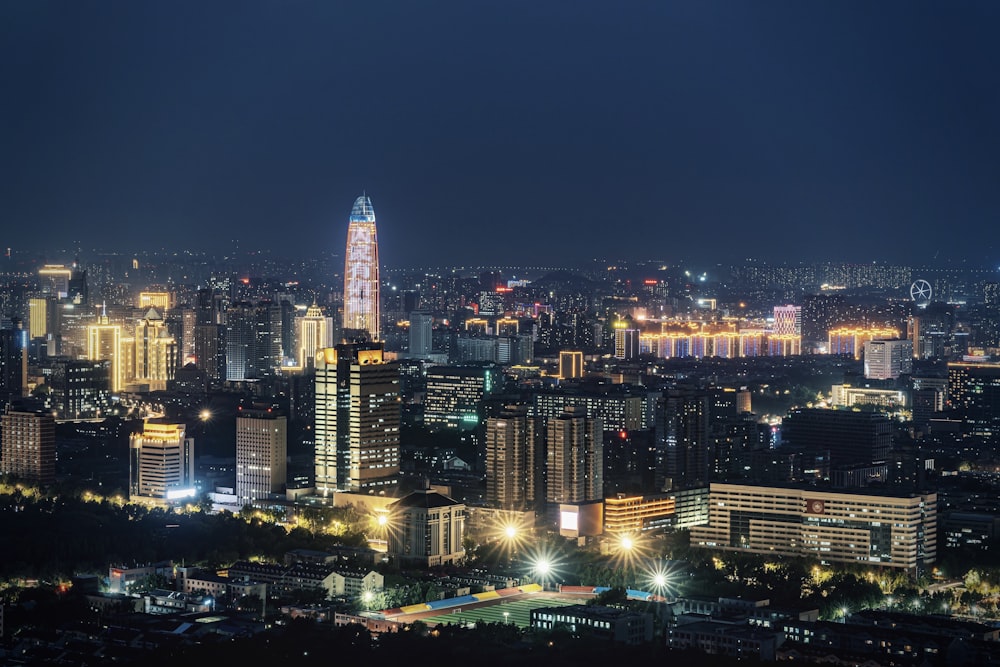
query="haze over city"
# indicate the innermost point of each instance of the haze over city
(506, 132)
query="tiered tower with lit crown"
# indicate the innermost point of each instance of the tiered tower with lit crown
(361, 273)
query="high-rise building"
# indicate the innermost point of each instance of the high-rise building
(888, 359)
(28, 444)
(161, 462)
(54, 279)
(974, 396)
(361, 273)
(626, 341)
(77, 388)
(210, 350)
(313, 335)
(421, 334)
(455, 394)
(13, 363)
(261, 454)
(514, 459)
(787, 320)
(684, 447)
(41, 317)
(850, 437)
(155, 355)
(357, 419)
(161, 301)
(570, 364)
(574, 457)
(104, 341)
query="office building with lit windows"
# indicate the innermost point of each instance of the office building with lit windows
(28, 443)
(974, 396)
(261, 454)
(891, 530)
(455, 394)
(514, 459)
(574, 457)
(421, 334)
(888, 359)
(161, 463)
(361, 273)
(357, 419)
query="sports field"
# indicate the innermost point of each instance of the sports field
(519, 611)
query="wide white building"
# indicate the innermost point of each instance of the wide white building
(835, 526)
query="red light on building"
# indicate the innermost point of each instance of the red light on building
(622, 434)
(650, 281)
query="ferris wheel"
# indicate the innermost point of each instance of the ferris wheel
(920, 292)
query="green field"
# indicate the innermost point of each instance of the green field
(519, 612)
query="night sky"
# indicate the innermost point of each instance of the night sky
(537, 132)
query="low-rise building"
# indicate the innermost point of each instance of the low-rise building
(611, 623)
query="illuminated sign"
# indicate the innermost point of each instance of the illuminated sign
(175, 494)
(568, 520)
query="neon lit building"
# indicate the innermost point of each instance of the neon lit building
(361, 272)
(851, 340)
(313, 332)
(104, 342)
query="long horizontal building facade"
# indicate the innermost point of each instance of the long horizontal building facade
(895, 531)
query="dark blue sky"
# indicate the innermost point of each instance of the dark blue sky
(518, 132)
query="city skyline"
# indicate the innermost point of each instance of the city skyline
(521, 133)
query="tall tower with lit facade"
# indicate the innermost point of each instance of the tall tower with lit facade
(574, 457)
(261, 454)
(514, 463)
(313, 335)
(104, 341)
(357, 419)
(361, 273)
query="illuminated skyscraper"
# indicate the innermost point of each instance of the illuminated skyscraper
(575, 457)
(361, 279)
(313, 333)
(357, 419)
(514, 463)
(104, 341)
(261, 451)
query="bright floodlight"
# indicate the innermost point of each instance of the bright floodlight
(367, 597)
(542, 567)
(660, 580)
(626, 543)
(382, 519)
(510, 532)
(206, 415)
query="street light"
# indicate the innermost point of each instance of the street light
(506, 617)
